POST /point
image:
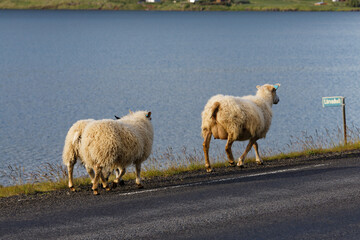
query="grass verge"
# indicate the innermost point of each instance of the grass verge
(44, 181)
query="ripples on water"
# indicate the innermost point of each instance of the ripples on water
(61, 66)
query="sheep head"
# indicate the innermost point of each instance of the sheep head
(268, 90)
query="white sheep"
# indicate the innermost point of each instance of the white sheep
(238, 119)
(71, 151)
(117, 144)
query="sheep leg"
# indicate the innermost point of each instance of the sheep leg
(229, 152)
(259, 161)
(138, 179)
(90, 171)
(104, 182)
(243, 156)
(119, 174)
(70, 173)
(206, 146)
(97, 170)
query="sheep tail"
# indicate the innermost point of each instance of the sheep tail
(70, 151)
(214, 110)
(76, 137)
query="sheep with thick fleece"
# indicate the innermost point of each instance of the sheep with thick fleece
(71, 151)
(117, 144)
(238, 119)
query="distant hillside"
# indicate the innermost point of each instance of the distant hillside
(185, 5)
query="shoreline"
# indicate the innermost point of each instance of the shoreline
(184, 6)
(121, 10)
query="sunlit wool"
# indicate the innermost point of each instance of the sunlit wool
(117, 144)
(71, 151)
(238, 119)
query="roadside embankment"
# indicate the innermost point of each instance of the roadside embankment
(183, 177)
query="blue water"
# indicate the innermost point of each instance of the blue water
(57, 67)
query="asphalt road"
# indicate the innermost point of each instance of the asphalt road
(319, 200)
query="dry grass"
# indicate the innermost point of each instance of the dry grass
(45, 178)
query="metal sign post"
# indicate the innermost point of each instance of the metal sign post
(336, 102)
(344, 121)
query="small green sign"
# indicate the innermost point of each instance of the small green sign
(332, 101)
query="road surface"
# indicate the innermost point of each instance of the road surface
(316, 200)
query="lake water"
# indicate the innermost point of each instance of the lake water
(57, 67)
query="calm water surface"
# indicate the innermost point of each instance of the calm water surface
(61, 66)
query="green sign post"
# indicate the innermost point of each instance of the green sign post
(336, 102)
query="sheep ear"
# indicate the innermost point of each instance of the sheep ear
(276, 86)
(116, 117)
(130, 111)
(148, 115)
(258, 86)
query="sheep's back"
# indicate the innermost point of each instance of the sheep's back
(111, 143)
(237, 115)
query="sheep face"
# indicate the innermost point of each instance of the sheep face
(148, 116)
(276, 98)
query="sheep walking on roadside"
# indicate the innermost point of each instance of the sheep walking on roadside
(71, 151)
(110, 144)
(238, 119)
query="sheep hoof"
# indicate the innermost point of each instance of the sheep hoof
(232, 164)
(209, 170)
(139, 186)
(72, 189)
(241, 166)
(95, 192)
(107, 188)
(260, 163)
(114, 185)
(121, 183)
